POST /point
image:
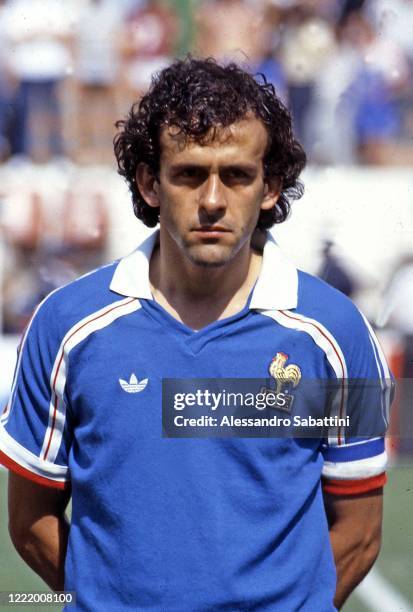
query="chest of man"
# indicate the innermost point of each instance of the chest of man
(117, 375)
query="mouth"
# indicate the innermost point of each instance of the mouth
(210, 231)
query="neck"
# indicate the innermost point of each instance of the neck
(198, 295)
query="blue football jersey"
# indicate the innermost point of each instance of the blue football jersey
(191, 524)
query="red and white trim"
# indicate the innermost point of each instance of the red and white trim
(383, 370)
(354, 470)
(381, 357)
(6, 412)
(354, 487)
(79, 332)
(331, 348)
(25, 463)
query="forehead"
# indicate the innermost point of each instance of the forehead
(246, 139)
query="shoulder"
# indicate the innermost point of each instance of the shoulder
(329, 307)
(337, 325)
(67, 306)
(337, 328)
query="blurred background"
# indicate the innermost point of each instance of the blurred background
(69, 70)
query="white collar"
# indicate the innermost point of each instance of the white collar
(275, 289)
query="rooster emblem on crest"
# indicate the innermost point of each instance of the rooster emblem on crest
(289, 375)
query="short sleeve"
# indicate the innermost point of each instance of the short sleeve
(34, 431)
(356, 462)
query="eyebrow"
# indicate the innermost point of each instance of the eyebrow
(245, 166)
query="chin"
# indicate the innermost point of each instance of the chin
(209, 258)
(204, 263)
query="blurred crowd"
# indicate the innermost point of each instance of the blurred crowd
(344, 67)
(69, 69)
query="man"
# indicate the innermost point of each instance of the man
(193, 524)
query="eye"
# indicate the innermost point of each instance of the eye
(189, 176)
(189, 172)
(236, 175)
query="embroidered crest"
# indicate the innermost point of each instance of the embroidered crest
(285, 376)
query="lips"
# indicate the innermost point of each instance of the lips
(211, 228)
(210, 232)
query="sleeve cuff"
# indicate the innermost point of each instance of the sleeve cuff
(354, 487)
(17, 458)
(21, 471)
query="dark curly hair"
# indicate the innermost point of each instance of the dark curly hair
(197, 95)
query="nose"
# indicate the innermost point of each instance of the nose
(212, 197)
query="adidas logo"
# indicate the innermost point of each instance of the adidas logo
(133, 386)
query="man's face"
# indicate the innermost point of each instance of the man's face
(210, 195)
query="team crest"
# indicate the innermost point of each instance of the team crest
(286, 377)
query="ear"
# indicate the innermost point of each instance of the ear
(148, 185)
(272, 191)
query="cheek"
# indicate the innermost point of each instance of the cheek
(254, 194)
(169, 201)
(180, 198)
(250, 205)
(174, 210)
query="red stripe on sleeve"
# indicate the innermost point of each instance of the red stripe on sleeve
(353, 487)
(21, 471)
